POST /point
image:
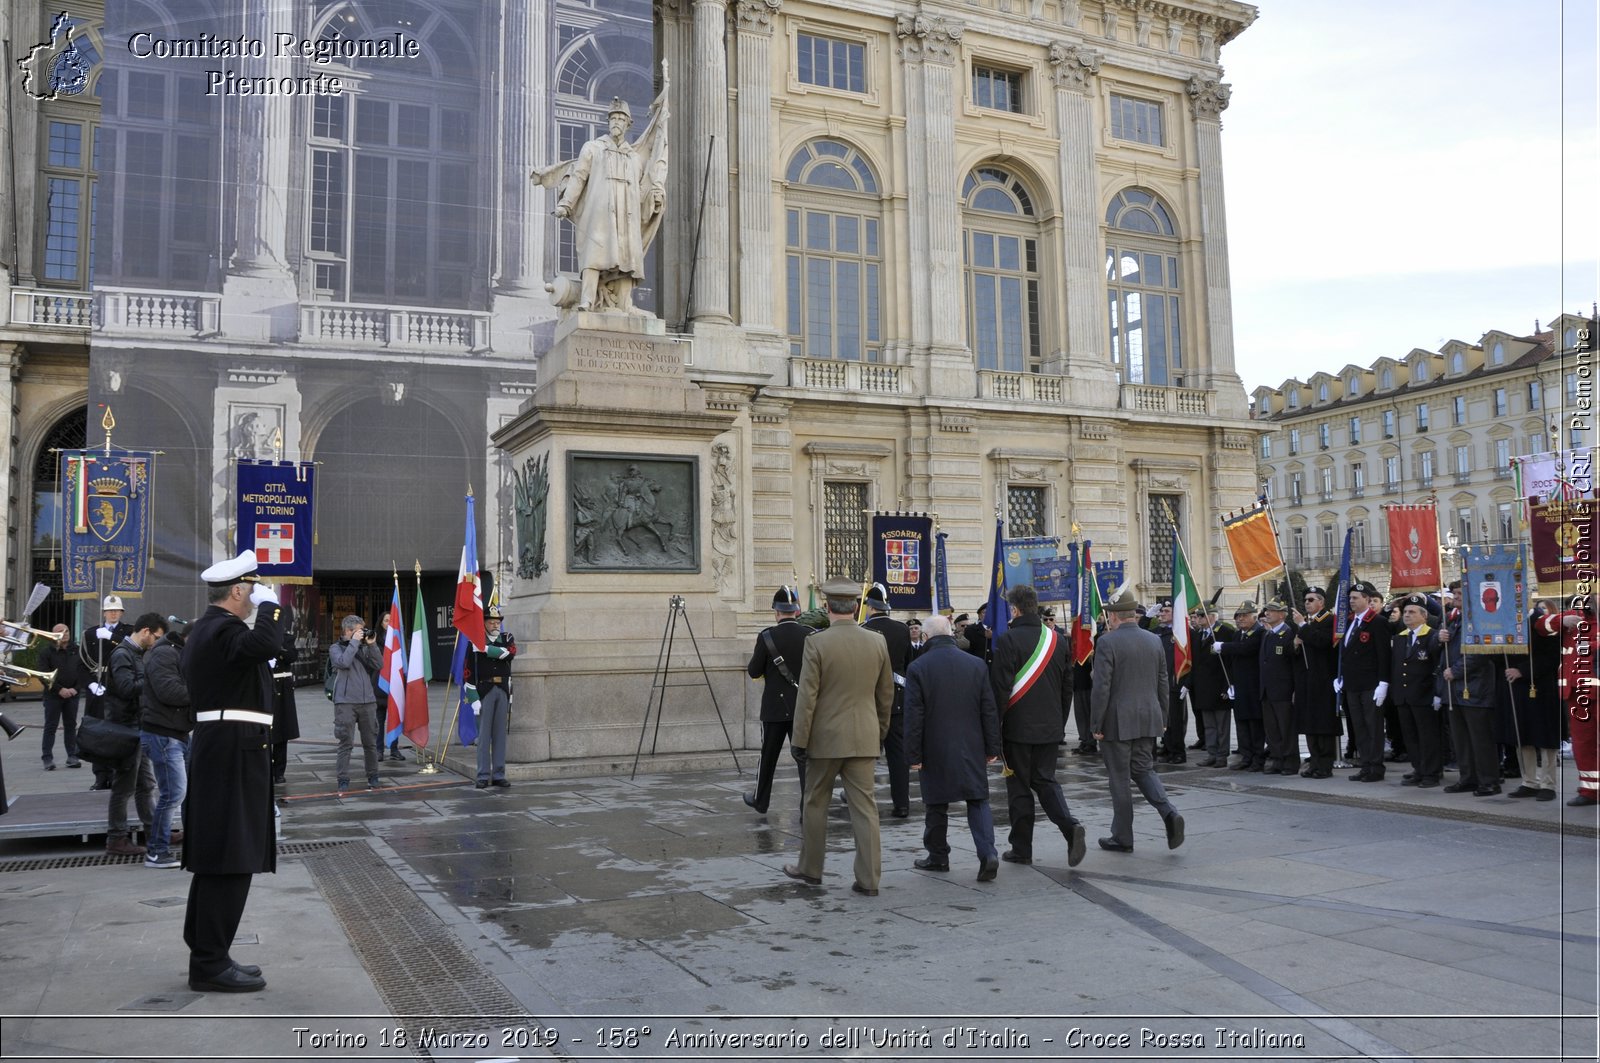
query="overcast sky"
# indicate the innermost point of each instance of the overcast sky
(1395, 175)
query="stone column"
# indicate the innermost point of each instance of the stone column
(262, 149)
(1207, 99)
(11, 356)
(756, 251)
(931, 45)
(1091, 377)
(677, 232)
(524, 107)
(709, 135)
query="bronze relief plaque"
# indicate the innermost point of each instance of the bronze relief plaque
(633, 513)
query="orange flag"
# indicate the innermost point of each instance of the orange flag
(1253, 544)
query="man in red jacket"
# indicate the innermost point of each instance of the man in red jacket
(1579, 690)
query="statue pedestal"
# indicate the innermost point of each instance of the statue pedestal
(617, 442)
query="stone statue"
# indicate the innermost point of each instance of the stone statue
(615, 194)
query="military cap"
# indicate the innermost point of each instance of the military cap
(878, 596)
(241, 569)
(1245, 609)
(786, 599)
(961, 618)
(1208, 608)
(619, 106)
(111, 602)
(1364, 587)
(494, 612)
(840, 587)
(1318, 591)
(1163, 603)
(1418, 600)
(1275, 606)
(1123, 603)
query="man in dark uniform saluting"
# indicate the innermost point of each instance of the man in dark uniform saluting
(898, 637)
(228, 810)
(776, 662)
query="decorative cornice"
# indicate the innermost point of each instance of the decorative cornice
(255, 375)
(518, 388)
(950, 421)
(1235, 441)
(756, 16)
(839, 448)
(933, 38)
(1073, 65)
(1095, 430)
(1208, 97)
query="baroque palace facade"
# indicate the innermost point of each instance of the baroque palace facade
(1430, 425)
(965, 259)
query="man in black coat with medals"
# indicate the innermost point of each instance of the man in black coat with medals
(1413, 670)
(228, 812)
(1277, 691)
(1242, 656)
(1208, 687)
(1316, 709)
(776, 662)
(898, 637)
(1364, 678)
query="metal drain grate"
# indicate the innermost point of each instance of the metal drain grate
(429, 981)
(57, 863)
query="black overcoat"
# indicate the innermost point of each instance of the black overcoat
(1040, 716)
(1277, 663)
(228, 809)
(898, 638)
(1208, 682)
(285, 714)
(1243, 658)
(1316, 708)
(952, 725)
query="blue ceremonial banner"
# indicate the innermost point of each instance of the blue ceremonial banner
(1056, 578)
(277, 517)
(941, 578)
(901, 560)
(105, 520)
(1109, 575)
(1021, 553)
(1494, 597)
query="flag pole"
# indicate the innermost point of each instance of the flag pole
(448, 686)
(430, 765)
(1288, 573)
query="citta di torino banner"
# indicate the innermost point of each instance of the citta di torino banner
(105, 519)
(1494, 597)
(277, 517)
(902, 560)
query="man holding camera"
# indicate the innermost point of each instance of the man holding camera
(355, 659)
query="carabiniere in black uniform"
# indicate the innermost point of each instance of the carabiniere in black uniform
(228, 810)
(898, 638)
(776, 662)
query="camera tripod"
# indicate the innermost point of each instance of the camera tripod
(661, 681)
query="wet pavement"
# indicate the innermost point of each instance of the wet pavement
(1301, 919)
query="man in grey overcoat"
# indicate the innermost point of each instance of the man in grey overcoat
(952, 735)
(1127, 713)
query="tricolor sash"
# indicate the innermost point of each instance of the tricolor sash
(1035, 665)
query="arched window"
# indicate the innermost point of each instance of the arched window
(1142, 286)
(1388, 379)
(1458, 364)
(1000, 247)
(834, 254)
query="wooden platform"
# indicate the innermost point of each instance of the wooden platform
(57, 815)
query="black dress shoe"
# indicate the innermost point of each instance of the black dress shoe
(1409, 780)
(750, 799)
(1582, 800)
(1111, 845)
(1361, 776)
(49, 767)
(1546, 795)
(1486, 791)
(1077, 845)
(482, 784)
(248, 968)
(795, 873)
(1428, 784)
(1524, 791)
(1011, 856)
(989, 870)
(930, 863)
(1320, 775)
(900, 813)
(233, 980)
(1174, 831)
(1468, 787)
(859, 888)
(502, 783)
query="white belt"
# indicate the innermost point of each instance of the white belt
(237, 715)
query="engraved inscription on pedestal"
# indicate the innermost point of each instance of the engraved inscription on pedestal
(624, 355)
(633, 513)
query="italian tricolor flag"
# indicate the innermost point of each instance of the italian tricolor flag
(419, 671)
(1185, 596)
(1086, 617)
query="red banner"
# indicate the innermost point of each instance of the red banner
(1414, 563)
(1564, 534)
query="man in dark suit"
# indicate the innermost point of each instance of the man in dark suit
(898, 638)
(1277, 691)
(1242, 657)
(1032, 678)
(776, 662)
(1364, 679)
(1414, 656)
(1316, 709)
(229, 814)
(1208, 687)
(1128, 712)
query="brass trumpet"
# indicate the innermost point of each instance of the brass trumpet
(24, 674)
(21, 636)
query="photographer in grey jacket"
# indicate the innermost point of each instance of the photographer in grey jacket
(356, 661)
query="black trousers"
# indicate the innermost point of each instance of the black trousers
(1424, 738)
(773, 734)
(1477, 751)
(1283, 743)
(1174, 740)
(1080, 716)
(1323, 749)
(1366, 728)
(1033, 774)
(894, 753)
(216, 904)
(1252, 739)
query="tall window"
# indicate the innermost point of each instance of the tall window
(1388, 379)
(1355, 429)
(1294, 440)
(1358, 537)
(1025, 511)
(1388, 424)
(1166, 513)
(1464, 523)
(1502, 457)
(1325, 474)
(1498, 355)
(1458, 409)
(1142, 287)
(996, 89)
(1458, 364)
(834, 258)
(1330, 540)
(1294, 399)
(1425, 467)
(1505, 517)
(1136, 120)
(1422, 416)
(1297, 544)
(1001, 251)
(830, 63)
(844, 529)
(1358, 479)
(393, 171)
(1324, 436)
(1297, 487)
(1535, 395)
(1463, 460)
(69, 134)
(1500, 402)
(1391, 471)
(1353, 386)
(1419, 373)
(1266, 446)
(1322, 393)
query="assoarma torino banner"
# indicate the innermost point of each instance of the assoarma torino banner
(105, 519)
(1414, 563)
(277, 517)
(1494, 597)
(1055, 579)
(902, 560)
(1563, 536)
(1020, 554)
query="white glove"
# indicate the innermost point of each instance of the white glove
(263, 593)
(477, 707)
(1230, 693)
(1216, 647)
(97, 689)
(1183, 693)
(272, 662)
(1380, 695)
(103, 632)
(1436, 703)
(1338, 684)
